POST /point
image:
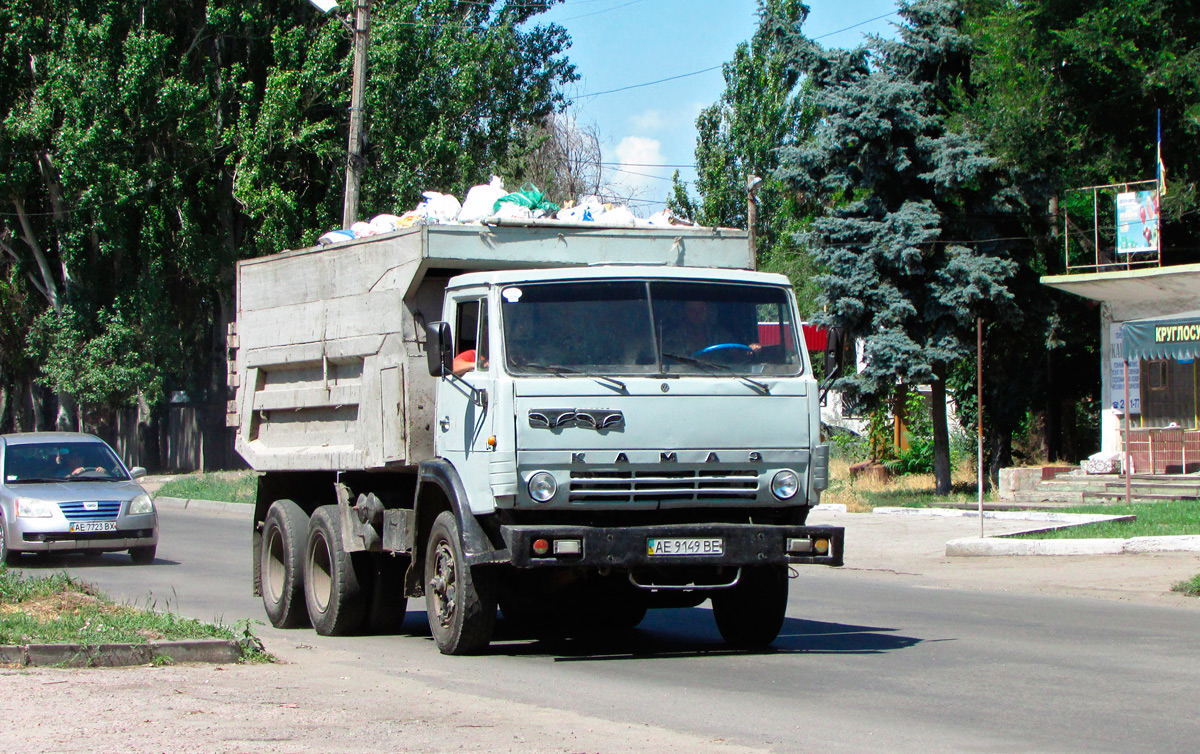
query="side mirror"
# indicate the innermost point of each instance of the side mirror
(439, 349)
(137, 472)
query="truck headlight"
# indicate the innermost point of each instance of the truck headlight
(542, 486)
(785, 484)
(140, 505)
(28, 507)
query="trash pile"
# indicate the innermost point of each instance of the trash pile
(490, 202)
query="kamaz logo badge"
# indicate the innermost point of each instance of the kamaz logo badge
(556, 418)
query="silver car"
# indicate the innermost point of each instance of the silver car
(68, 491)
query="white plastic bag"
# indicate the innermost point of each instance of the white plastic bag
(619, 216)
(508, 210)
(439, 208)
(385, 223)
(480, 200)
(336, 236)
(362, 229)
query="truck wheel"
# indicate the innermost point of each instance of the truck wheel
(751, 613)
(388, 605)
(460, 601)
(282, 564)
(332, 590)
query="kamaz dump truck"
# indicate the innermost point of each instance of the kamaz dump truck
(567, 424)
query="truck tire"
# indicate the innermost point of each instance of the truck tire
(750, 614)
(388, 605)
(460, 601)
(332, 589)
(282, 564)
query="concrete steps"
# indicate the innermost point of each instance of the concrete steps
(1078, 489)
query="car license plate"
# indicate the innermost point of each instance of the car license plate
(89, 526)
(685, 546)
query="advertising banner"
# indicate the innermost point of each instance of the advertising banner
(1137, 222)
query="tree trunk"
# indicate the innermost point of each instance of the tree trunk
(941, 435)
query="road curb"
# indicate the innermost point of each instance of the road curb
(1006, 546)
(220, 651)
(209, 506)
(989, 546)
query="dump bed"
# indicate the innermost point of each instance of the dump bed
(329, 365)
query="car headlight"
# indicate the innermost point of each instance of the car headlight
(141, 504)
(28, 507)
(542, 486)
(785, 484)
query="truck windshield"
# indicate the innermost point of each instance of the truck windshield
(648, 327)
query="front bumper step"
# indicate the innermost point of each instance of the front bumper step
(628, 547)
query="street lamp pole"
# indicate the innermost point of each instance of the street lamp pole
(354, 155)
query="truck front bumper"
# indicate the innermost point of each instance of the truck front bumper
(628, 547)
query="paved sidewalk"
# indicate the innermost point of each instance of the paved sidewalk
(913, 549)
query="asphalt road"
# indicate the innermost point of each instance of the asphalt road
(864, 664)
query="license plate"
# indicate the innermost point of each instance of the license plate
(685, 546)
(88, 526)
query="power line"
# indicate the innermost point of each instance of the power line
(716, 67)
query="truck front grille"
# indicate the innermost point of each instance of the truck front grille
(663, 486)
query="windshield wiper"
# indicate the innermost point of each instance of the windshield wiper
(37, 480)
(559, 371)
(709, 367)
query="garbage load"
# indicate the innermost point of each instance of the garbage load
(492, 201)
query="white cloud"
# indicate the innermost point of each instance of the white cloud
(650, 120)
(634, 177)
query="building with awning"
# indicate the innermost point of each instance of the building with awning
(1150, 316)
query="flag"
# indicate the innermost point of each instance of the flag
(1162, 170)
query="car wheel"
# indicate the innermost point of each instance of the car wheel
(143, 555)
(7, 556)
(281, 566)
(460, 601)
(332, 587)
(750, 614)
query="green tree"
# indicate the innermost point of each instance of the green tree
(1067, 95)
(915, 239)
(144, 149)
(764, 107)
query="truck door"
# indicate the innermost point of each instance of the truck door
(464, 399)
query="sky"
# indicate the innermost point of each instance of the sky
(647, 130)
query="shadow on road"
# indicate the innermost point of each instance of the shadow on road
(56, 561)
(681, 633)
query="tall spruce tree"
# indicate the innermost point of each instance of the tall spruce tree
(916, 236)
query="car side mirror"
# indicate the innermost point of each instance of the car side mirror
(137, 472)
(439, 349)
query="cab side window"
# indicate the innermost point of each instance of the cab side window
(471, 337)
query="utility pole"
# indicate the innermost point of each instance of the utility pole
(752, 184)
(354, 152)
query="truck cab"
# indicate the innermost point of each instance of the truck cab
(653, 432)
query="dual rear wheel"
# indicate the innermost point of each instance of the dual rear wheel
(307, 577)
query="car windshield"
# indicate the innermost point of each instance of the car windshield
(61, 461)
(649, 327)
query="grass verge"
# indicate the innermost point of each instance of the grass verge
(1163, 519)
(1191, 587)
(863, 494)
(223, 486)
(59, 609)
